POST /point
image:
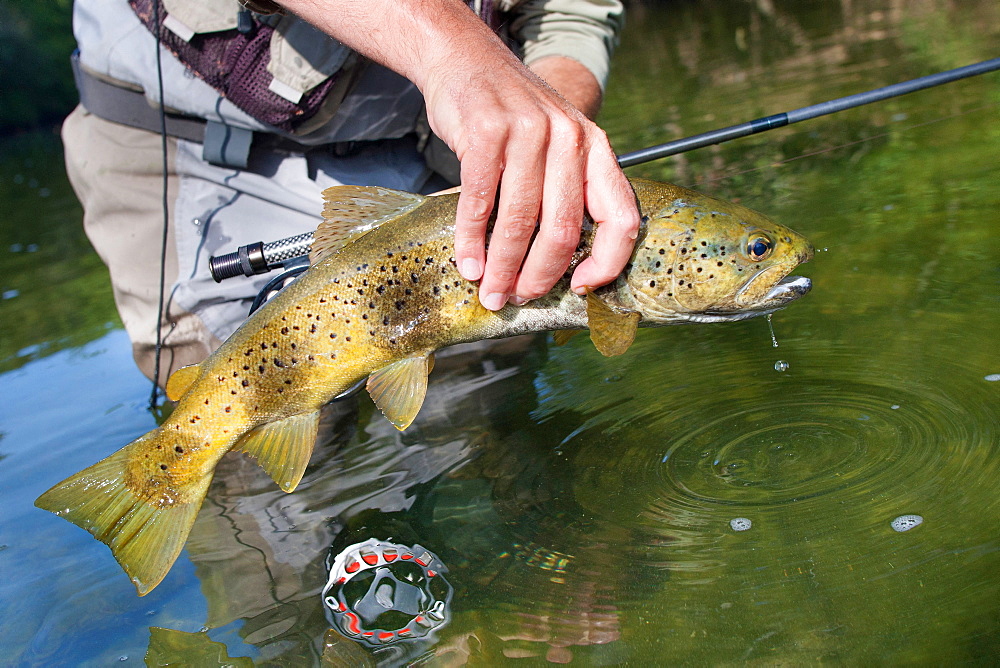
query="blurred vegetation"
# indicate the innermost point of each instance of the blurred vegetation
(36, 83)
(54, 289)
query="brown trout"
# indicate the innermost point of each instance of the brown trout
(382, 295)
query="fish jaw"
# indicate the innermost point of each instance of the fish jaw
(785, 291)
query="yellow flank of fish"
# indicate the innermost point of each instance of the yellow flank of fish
(382, 295)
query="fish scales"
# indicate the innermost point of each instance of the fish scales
(383, 294)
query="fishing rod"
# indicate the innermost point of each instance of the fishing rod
(260, 257)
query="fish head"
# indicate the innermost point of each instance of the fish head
(701, 259)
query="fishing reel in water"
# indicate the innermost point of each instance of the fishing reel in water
(381, 593)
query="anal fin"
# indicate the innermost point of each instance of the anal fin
(399, 389)
(283, 447)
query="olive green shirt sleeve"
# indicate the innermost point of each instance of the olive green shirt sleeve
(584, 30)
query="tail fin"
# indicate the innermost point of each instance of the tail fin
(145, 537)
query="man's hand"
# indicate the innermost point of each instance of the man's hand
(515, 136)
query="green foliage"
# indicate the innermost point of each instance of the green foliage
(36, 82)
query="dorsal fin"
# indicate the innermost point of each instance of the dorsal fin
(398, 389)
(283, 447)
(612, 330)
(181, 380)
(353, 211)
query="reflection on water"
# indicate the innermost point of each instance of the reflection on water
(705, 498)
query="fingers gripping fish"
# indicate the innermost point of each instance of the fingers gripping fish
(383, 294)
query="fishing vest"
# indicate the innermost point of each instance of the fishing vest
(264, 72)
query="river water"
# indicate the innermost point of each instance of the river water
(705, 499)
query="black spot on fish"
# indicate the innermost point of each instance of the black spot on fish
(312, 329)
(719, 263)
(279, 364)
(347, 338)
(284, 330)
(371, 304)
(178, 449)
(333, 335)
(163, 467)
(705, 243)
(437, 290)
(657, 265)
(228, 409)
(400, 305)
(699, 270)
(364, 316)
(414, 278)
(663, 251)
(261, 368)
(385, 321)
(652, 284)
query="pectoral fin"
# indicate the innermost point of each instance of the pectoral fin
(283, 447)
(612, 330)
(180, 381)
(353, 211)
(398, 389)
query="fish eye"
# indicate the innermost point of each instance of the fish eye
(759, 247)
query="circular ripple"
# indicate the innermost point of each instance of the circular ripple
(868, 446)
(785, 451)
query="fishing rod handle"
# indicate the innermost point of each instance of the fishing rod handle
(259, 258)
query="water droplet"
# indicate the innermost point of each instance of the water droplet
(124, 657)
(781, 365)
(888, 207)
(10, 294)
(894, 407)
(740, 524)
(906, 522)
(993, 377)
(770, 326)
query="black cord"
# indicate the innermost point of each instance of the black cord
(154, 395)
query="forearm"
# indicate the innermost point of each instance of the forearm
(415, 38)
(573, 81)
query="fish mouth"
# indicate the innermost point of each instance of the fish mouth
(787, 290)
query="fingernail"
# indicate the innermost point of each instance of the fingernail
(470, 269)
(517, 301)
(494, 301)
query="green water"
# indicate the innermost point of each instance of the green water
(583, 505)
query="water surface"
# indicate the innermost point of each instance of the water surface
(584, 506)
